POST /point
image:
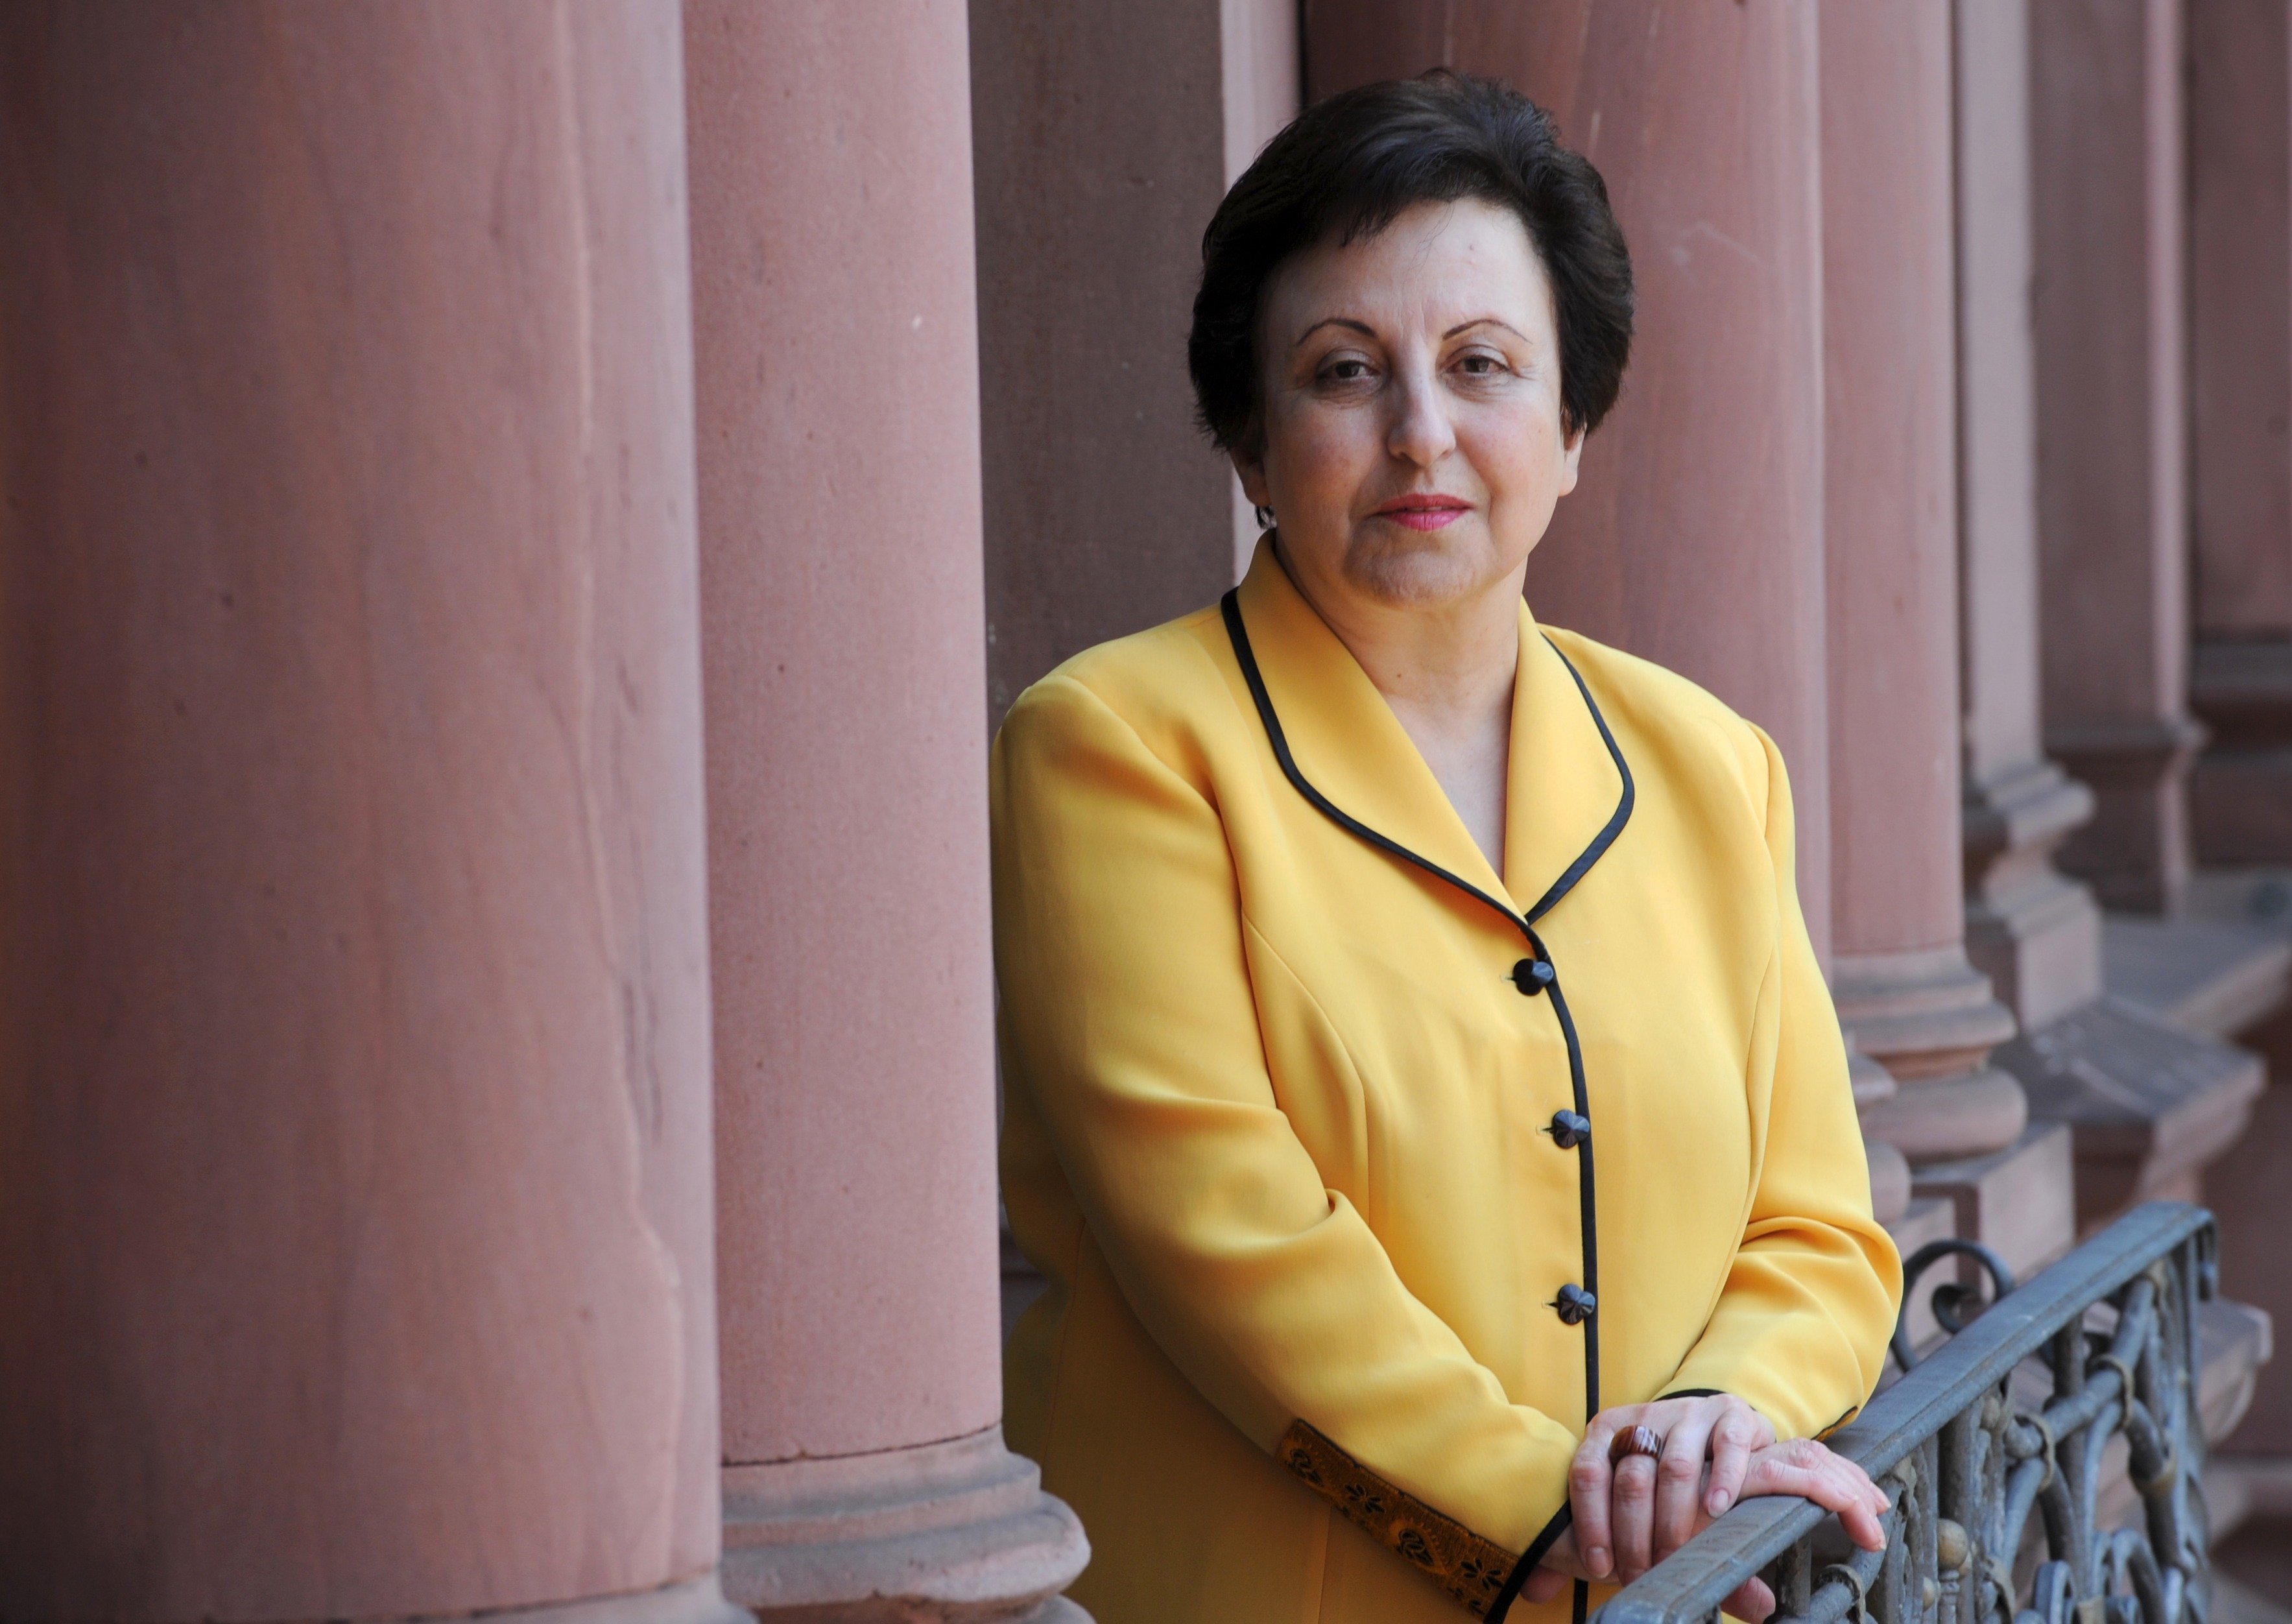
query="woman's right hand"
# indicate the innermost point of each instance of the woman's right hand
(1623, 1529)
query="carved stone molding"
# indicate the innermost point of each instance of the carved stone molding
(1929, 1019)
(2135, 853)
(2241, 790)
(2036, 933)
(2148, 1102)
(958, 1532)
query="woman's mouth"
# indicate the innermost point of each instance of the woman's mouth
(1425, 513)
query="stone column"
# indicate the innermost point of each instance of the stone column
(2033, 933)
(2106, 110)
(2149, 1104)
(1686, 540)
(2240, 372)
(1105, 137)
(865, 1474)
(355, 1203)
(1905, 989)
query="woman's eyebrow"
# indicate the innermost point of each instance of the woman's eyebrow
(1362, 328)
(1479, 321)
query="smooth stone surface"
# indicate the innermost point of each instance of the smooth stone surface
(1890, 481)
(838, 397)
(357, 1211)
(1105, 137)
(2107, 117)
(2210, 976)
(2017, 1201)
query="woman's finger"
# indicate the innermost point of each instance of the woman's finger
(1632, 1516)
(1544, 1585)
(1589, 1488)
(1809, 1470)
(1679, 1479)
(1753, 1601)
(1733, 1441)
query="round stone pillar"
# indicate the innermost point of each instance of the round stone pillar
(2035, 933)
(2110, 243)
(865, 1474)
(355, 1204)
(1904, 987)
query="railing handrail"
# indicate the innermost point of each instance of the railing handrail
(1689, 1586)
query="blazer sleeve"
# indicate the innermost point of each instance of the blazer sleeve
(1130, 1022)
(1801, 1327)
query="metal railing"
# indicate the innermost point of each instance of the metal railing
(2013, 1416)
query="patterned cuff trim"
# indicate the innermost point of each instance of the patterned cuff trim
(1469, 1568)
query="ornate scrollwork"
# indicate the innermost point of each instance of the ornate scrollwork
(1994, 1451)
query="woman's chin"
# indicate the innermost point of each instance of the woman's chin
(1423, 571)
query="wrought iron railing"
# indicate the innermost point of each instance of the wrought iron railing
(2016, 1414)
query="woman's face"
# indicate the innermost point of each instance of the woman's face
(1412, 444)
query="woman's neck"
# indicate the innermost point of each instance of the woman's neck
(1447, 670)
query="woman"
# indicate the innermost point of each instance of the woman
(1336, 925)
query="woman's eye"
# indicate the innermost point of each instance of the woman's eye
(1480, 365)
(1346, 371)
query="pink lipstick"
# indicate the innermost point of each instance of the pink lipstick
(1426, 512)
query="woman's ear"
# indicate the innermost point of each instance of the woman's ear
(1571, 452)
(1251, 471)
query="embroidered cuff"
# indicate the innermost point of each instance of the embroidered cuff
(1469, 1568)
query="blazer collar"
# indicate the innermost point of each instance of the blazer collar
(1562, 787)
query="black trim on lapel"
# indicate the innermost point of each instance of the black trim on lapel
(1229, 607)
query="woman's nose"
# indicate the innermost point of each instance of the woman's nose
(1421, 432)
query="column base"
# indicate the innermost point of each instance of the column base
(2148, 1103)
(1890, 1180)
(959, 1533)
(2036, 934)
(1950, 1119)
(1922, 1015)
(697, 1601)
(2019, 1201)
(2241, 789)
(2135, 853)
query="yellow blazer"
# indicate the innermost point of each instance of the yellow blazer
(1295, 1113)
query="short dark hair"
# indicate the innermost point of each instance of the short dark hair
(1348, 166)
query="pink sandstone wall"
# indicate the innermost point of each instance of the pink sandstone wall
(2106, 152)
(355, 1189)
(841, 575)
(1102, 148)
(2239, 226)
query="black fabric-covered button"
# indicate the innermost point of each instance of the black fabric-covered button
(1568, 1130)
(1575, 1305)
(1532, 975)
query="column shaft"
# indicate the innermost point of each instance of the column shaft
(839, 477)
(2035, 933)
(1905, 990)
(2106, 163)
(357, 1207)
(2240, 444)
